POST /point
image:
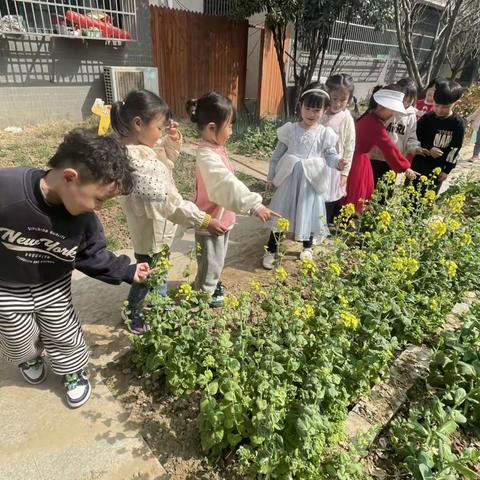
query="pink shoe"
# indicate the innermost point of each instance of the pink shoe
(475, 158)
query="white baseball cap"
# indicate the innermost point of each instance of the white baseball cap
(390, 99)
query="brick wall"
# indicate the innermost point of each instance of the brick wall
(57, 78)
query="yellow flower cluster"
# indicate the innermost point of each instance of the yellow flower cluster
(349, 319)
(163, 263)
(307, 312)
(456, 203)
(335, 268)
(451, 268)
(423, 178)
(411, 242)
(185, 290)
(390, 177)
(308, 267)
(438, 228)
(384, 219)
(437, 171)
(232, 301)
(283, 225)
(467, 238)
(405, 265)
(255, 285)
(429, 197)
(281, 274)
(343, 300)
(453, 225)
(348, 210)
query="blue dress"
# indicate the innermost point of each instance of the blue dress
(296, 198)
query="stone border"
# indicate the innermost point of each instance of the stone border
(370, 415)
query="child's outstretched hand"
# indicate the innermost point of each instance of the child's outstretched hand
(436, 152)
(411, 174)
(265, 214)
(141, 273)
(421, 151)
(216, 228)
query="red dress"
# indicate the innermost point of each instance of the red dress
(370, 132)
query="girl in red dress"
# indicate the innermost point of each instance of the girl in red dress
(371, 132)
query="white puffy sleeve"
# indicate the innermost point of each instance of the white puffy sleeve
(329, 148)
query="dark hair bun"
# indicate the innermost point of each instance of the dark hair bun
(191, 107)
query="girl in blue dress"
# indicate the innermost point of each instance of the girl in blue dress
(298, 170)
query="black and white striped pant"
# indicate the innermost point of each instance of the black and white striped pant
(34, 318)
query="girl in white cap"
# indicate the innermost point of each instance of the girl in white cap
(370, 133)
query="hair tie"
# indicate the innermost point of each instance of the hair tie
(123, 104)
(318, 90)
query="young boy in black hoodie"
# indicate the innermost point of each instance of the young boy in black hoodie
(48, 228)
(440, 133)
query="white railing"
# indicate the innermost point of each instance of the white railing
(88, 19)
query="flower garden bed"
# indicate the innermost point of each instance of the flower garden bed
(278, 369)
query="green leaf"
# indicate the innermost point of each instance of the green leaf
(212, 388)
(460, 396)
(465, 471)
(425, 472)
(448, 427)
(458, 417)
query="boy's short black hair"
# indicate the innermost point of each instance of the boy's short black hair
(447, 92)
(97, 159)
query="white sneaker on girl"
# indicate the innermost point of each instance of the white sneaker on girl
(268, 261)
(307, 253)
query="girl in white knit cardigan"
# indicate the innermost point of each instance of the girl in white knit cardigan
(155, 207)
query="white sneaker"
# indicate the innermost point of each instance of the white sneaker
(34, 371)
(307, 253)
(78, 389)
(268, 261)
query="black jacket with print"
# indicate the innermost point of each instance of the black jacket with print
(41, 243)
(445, 133)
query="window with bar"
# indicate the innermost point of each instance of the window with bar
(90, 19)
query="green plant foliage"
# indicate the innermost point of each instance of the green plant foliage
(280, 365)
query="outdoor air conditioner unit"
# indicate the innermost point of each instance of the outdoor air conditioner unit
(119, 81)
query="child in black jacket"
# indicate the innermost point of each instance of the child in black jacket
(440, 134)
(48, 228)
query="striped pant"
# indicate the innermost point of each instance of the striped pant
(34, 318)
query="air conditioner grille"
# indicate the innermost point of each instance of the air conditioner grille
(128, 81)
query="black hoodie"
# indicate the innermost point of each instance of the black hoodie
(40, 242)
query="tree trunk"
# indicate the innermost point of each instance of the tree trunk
(342, 43)
(279, 34)
(442, 54)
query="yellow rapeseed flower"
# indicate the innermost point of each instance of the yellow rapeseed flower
(438, 228)
(309, 311)
(430, 197)
(335, 268)
(437, 171)
(423, 178)
(348, 210)
(185, 290)
(308, 267)
(390, 176)
(232, 301)
(281, 274)
(349, 319)
(384, 218)
(411, 189)
(451, 268)
(453, 225)
(467, 239)
(456, 203)
(255, 285)
(343, 300)
(283, 224)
